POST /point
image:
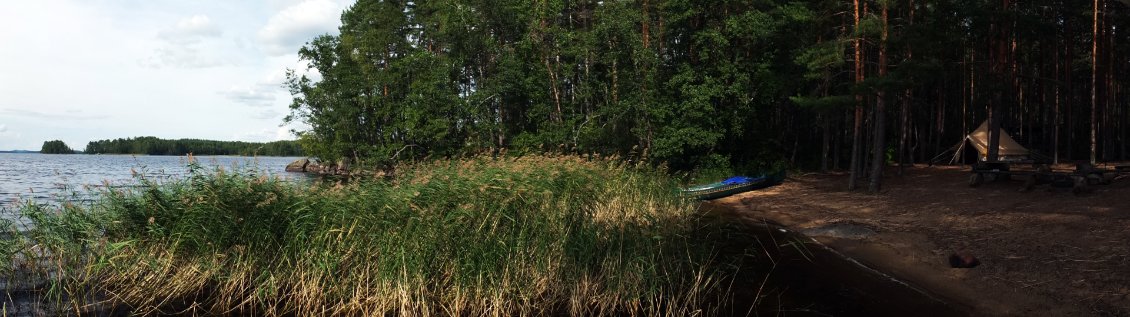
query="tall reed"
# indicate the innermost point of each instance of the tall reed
(531, 235)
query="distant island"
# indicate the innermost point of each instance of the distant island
(19, 152)
(155, 146)
(56, 147)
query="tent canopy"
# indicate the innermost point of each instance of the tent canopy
(1009, 149)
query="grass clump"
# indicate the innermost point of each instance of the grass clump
(518, 236)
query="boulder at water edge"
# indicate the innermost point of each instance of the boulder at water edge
(298, 166)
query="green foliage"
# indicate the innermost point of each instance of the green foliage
(407, 80)
(679, 81)
(821, 58)
(535, 235)
(55, 147)
(824, 104)
(155, 146)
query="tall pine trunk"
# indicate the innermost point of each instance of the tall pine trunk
(878, 151)
(1002, 32)
(904, 111)
(825, 142)
(857, 124)
(1066, 114)
(1094, 77)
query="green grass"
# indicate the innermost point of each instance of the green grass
(533, 235)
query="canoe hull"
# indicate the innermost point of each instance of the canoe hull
(723, 189)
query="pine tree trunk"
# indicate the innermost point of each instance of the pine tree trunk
(858, 121)
(904, 111)
(999, 68)
(1094, 77)
(879, 159)
(826, 144)
(965, 103)
(1110, 108)
(1066, 114)
(1108, 88)
(646, 23)
(837, 143)
(1055, 112)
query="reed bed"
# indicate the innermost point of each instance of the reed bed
(534, 235)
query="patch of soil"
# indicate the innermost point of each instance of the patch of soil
(1046, 252)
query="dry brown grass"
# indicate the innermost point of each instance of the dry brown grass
(524, 236)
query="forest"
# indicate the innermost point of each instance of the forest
(156, 146)
(823, 85)
(56, 147)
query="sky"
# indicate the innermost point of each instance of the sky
(86, 70)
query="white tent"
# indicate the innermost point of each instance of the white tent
(1009, 149)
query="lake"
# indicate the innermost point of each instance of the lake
(47, 178)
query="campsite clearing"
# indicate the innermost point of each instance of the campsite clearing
(1046, 252)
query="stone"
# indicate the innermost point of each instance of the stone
(298, 166)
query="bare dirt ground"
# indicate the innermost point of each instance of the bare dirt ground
(1047, 252)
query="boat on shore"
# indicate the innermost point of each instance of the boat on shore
(734, 185)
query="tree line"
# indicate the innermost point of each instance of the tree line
(156, 146)
(823, 84)
(56, 147)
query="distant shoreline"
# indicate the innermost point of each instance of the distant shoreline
(157, 146)
(114, 154)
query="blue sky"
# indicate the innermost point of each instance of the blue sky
(84, 70)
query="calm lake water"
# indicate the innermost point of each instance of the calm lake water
(47, 178)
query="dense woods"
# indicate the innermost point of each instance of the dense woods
(822, 84)
(56, 147)
(155, 146)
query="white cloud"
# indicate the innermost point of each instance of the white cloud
(269, 114)
(265, 135)
(70, 114)
(276, 78)
(191, 29)
(287, 30)
(283, 133)
(3, 128)
(190, 43)
(252, 96)
(183, 56)
(262, 135)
